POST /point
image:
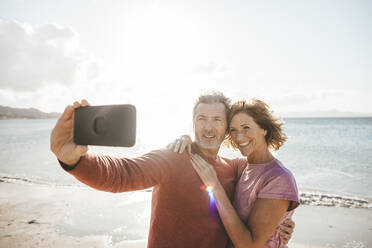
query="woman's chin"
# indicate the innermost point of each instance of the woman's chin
(244, 152)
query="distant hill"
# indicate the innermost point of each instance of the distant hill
(23, 113)
(324, 114)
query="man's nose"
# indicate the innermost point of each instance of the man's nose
(208, 125)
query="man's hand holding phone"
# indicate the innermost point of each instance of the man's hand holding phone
(62, 137)
(81, 125)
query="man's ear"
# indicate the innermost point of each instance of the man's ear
(265, 132)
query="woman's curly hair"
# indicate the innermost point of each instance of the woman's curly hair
(262, 115)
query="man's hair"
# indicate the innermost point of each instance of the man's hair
(214, 97)
(262, 115)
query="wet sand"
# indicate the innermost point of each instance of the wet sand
(34, 215)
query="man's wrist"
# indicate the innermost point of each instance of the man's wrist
(69, 166)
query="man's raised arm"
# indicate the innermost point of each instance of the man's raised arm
(105, 172)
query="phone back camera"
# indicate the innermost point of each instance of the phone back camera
(99, 125)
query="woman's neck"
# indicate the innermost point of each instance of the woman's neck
(260, 157)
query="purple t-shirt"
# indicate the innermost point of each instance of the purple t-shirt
(270, 180)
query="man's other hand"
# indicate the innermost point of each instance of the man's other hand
(286, 230)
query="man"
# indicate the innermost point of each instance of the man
(182, 213)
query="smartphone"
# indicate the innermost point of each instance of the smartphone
(109, 125)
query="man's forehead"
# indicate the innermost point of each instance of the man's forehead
(211, 109)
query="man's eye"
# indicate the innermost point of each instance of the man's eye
(246, 127)
(232, 130)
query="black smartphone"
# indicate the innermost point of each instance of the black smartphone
(110, 125)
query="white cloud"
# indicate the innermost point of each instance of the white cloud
(55, 97)
(213, 68)
(342, 100)
(298, 98)
(33, 57)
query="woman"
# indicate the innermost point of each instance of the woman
(266, 193)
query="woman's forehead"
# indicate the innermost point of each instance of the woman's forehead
(241, 118)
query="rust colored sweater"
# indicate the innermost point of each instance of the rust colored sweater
(182, 213)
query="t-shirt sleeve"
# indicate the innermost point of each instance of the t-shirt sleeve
(280, 185)
(112, 174)
(239, 165)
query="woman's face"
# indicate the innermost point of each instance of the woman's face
(247, 135)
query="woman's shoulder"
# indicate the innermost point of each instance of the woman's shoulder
(279, 183)
(277, 169)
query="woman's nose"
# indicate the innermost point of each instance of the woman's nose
(239, 136)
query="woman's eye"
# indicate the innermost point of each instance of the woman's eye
(246, 127)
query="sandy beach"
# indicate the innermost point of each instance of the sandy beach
(34, 215)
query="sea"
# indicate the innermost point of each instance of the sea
(328, 155)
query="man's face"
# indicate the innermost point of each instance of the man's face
(210, 125)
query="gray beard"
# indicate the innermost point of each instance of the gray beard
(207, 145)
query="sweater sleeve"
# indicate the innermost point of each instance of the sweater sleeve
(112, 174)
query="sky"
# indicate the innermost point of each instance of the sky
(297, 56)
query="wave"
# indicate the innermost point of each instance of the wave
(33, 181)
(333, 200)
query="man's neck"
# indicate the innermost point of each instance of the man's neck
(209, 153)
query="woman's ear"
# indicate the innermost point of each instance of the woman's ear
(265, 132)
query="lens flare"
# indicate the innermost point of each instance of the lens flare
(209, 189)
